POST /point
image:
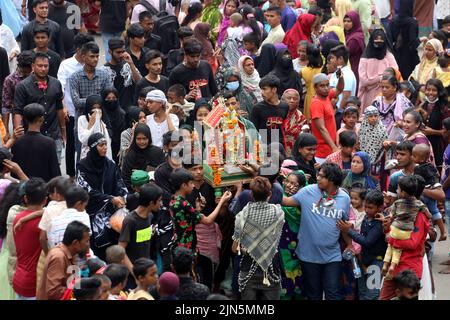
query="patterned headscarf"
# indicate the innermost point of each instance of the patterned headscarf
(230, 51)
(371, 138)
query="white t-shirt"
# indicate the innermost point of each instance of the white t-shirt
(58, 225)
(383, 8)
(159, 129)
(349, 82)
(53, 210)
(235, 32)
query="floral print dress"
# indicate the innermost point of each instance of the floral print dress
(184, 218)
(291, 283)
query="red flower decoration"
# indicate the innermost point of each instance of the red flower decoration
(42, 85)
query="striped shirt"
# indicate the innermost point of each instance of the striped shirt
(82, 87)
(58, 225)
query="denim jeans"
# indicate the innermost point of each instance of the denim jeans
(59, 148)
(256, 290)
(447, 214)
(320, 279)
(205, 269)
(105, 38)
(369, 285)
(385, 22)
(235, 277)
(432, 207)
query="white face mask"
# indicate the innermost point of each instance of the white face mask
(430, 101)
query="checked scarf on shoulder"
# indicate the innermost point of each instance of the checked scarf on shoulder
(258, 229)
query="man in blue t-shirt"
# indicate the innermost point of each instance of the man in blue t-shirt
(322, 206)
(405, 162)
(403, 154)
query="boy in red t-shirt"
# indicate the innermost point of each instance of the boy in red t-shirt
(323, 123)
(26, 239)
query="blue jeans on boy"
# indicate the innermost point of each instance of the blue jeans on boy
(432, 207)
(385, 22)
(369, 285)
(320, 279)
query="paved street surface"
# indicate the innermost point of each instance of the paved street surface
(442, 281)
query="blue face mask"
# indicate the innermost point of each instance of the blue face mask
(232, 85)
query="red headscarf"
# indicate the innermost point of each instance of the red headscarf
(355, 36)
(300, 31)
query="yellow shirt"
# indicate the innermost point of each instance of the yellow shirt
(308, 73)
(139, 295)
(444, 76)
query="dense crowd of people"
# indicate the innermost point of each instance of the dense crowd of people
(103, 168)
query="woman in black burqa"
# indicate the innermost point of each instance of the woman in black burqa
(284, 70)
(403, 33)
(101, 178)
(141, 155)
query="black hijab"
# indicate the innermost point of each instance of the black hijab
(202, 102)
(284, 70)
(138, 158)
(372, 51)
(133, 114)
(266, 60)
(94, 163)
(115, 113)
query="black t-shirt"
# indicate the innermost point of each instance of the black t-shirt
(56, 41)
(66, 16)
(174, 58)
(162, 179)
(122, 79)
(208, 192)
(191, 290)
(139, 63)
(113, 15)
(153, 42)
(136, 231)
(201, 77)
(45, 165)
(270, 117)
(54, 60)
(162, 85)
